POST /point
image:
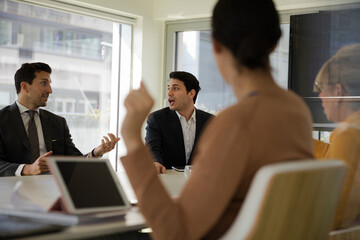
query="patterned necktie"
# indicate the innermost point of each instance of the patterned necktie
(33, 137)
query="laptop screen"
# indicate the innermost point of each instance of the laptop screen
(88, 185)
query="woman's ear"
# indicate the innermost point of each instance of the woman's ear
(217, 47)
(338, 91)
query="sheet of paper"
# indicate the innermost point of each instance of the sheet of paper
(28, 198)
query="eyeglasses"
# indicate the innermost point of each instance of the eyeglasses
(319, 87)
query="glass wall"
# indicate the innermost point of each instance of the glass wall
(193, 53)
(81, 52)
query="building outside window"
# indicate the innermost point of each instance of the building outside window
(84, 53)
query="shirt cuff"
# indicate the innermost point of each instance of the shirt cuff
(19, 170)
(92, 154)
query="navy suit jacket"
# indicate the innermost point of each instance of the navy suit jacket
(14, 142)
(165, 139)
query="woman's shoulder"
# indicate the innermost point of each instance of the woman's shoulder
(276, 103)
(289, 101)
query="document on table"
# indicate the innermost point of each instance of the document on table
(34, 204)
(27, 198)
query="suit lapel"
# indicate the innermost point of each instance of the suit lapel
(46, 128)
(199, 124)
(177, 131)
(18, 125)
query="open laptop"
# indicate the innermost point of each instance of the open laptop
(87, 185)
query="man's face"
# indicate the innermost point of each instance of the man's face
(38, 92)
(179, 99)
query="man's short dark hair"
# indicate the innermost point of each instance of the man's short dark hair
(189, 81)
(27, 73)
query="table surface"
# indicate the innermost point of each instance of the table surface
(172, 180)
(45, 186)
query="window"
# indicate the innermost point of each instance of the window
(85, 54)
(193, 53)
(188, 48)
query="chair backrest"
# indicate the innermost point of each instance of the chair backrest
(351, 233)
(292, 200)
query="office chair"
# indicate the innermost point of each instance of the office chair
(350, 233)
(291, 200)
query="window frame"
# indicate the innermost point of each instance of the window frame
(83, 8)
(171, 28)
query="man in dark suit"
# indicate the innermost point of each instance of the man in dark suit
(29, 135)
(172, 132)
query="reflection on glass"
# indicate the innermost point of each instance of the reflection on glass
(338, 87)
(194, 55)
(315, 38)
(78, 49)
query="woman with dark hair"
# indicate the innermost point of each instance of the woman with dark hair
(266, 125)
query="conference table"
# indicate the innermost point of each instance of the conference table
(45, 186)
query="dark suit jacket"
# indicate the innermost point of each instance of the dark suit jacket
(165, 138)
(14, 142)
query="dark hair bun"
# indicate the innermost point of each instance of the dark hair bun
(250, 29)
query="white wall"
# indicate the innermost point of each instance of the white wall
(182, 9)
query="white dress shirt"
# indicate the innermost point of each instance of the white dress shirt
(189, 131)
(26, 118)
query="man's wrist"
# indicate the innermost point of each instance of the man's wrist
(93, 154)
(25, 171)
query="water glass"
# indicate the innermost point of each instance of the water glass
(187, 171)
